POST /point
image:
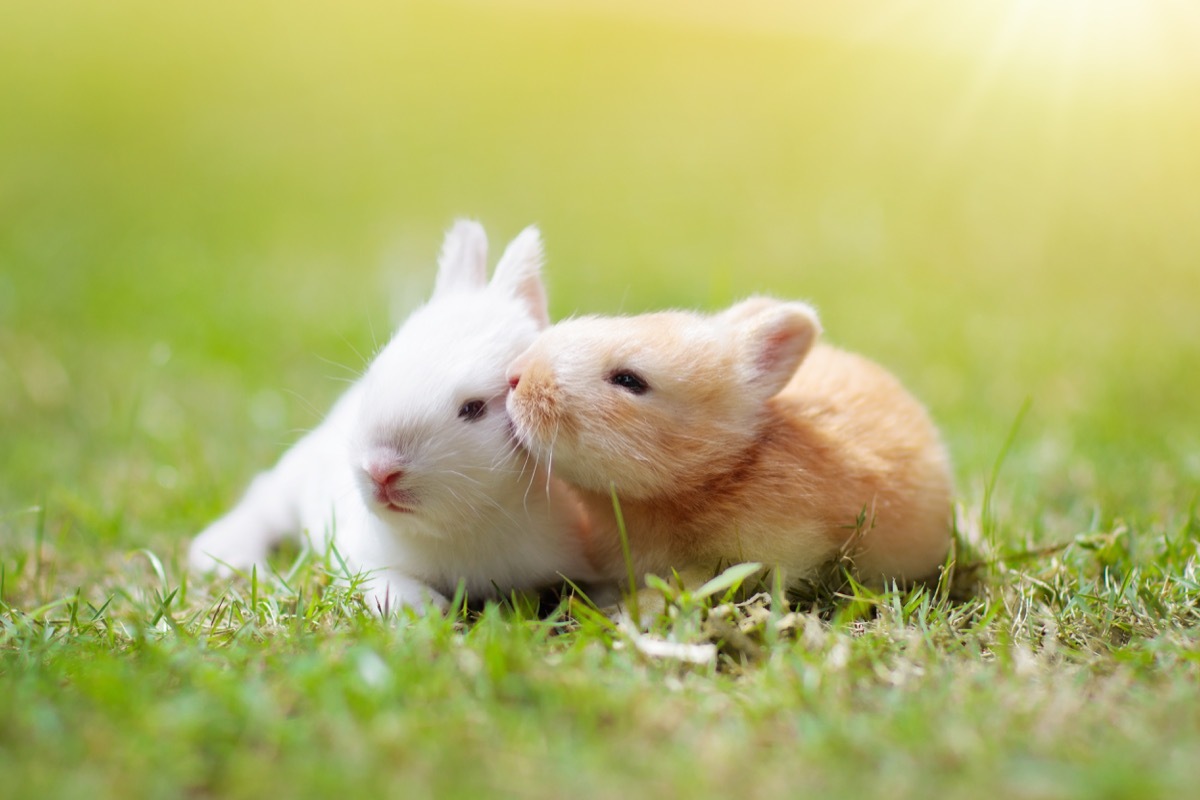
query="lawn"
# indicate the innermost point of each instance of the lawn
(210, 217)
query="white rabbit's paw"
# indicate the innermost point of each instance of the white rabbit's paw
(227, 545)
(390, 593)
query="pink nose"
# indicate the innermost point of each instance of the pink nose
(515, 369)
(384, 475)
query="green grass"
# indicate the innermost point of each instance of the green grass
(208, 218)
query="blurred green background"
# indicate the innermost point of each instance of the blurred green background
(210, 214)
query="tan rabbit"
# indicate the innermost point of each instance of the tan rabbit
(732, 438)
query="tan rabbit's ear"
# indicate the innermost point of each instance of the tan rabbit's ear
(772, 338)
(519, 273)
(462, 264)
(747, 309)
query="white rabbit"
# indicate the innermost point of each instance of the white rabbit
(415, 476)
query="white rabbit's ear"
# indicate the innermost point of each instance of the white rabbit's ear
(772, 338)
(463, 260)
(519, 273)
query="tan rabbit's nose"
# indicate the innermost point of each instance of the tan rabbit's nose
(515, 370)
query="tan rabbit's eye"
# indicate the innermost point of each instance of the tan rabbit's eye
(629, 381)
(472, 410)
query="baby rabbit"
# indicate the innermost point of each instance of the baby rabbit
(732, 438)
(414, 476)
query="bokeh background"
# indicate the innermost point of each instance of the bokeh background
(211, 214)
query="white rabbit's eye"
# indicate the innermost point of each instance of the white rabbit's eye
(472, 410)
(629, 381)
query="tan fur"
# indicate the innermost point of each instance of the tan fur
(724, 458)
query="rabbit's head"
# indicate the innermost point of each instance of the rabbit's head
(432, 440)
(653, 403)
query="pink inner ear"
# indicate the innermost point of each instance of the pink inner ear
(779, 347)
(533, 295)
(519, 273)
(774, 349)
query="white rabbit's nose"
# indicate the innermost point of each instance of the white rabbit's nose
(513, 380)
(383, 476)
(384, 468)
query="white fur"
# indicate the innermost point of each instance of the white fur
(482, 511)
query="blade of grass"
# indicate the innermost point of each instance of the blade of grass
(625, 552)
(39, 535)
(730, 579)
(989, 488)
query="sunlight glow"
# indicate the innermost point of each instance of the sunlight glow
(1110, 36)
